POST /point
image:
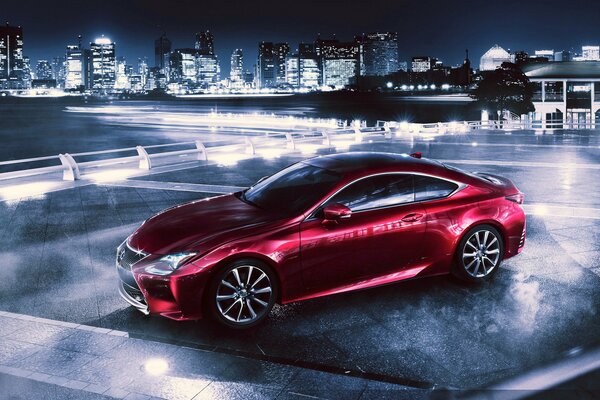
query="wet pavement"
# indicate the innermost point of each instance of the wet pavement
(57, 252)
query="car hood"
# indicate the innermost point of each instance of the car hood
(190, 226)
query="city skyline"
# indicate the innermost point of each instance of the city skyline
(135, 25)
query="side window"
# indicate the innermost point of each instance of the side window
(427, 188)
(377, 191)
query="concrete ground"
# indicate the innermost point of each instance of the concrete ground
(57, 253)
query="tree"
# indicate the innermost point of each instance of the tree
(506, 88)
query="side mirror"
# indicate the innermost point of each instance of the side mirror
(335, 212)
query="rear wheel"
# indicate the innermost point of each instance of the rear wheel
(479, 254)
(242, 294)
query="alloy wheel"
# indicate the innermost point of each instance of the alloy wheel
(244, 294)
(481, 253)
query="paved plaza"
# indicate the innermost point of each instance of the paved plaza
(400, 341)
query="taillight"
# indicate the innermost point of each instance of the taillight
(517, 198)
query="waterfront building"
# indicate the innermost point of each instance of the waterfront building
(302, 68)
(271, 64)
(12, 64)
(590, 53)
(378, 53)
(74, 74)
(237, 68)
(205, 43)
(162, 50)
(103, 64)
(43, 70)
(549, 54)
(494, 57)
(122, 74)
(566, 91)
(59, 70)
(182, 67)
(207, 70)
(422, 63)
(403, 66)
(563, 56)
(338, 61)
(142, 71)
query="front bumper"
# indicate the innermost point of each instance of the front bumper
(177, 296)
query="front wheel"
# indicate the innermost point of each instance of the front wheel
(242, 294)
(479, 254)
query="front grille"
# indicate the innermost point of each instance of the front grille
(134, 292)
(127, 257)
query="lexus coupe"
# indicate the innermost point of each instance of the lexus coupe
(325, 225)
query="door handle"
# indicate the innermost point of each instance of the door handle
(412, 217)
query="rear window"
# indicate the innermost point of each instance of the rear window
(427, 188)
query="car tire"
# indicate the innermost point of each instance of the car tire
(242, 294)
(479, 254)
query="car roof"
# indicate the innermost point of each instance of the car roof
(344, 163)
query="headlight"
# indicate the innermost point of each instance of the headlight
(169, 263)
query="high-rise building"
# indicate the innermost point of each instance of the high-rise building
(422, 64)
(103, 64)
(74, 74)
(162, 49)
(494, 57)
(302, 68)
(207, 70)
(205, 43)
(182, 67)
(43, 70)
(590, 53)
(12, 64)
(237, 68)
(378, 53)
(59, 70)
(338, 61)
(122, 74)
(143, 71)
(271, 64)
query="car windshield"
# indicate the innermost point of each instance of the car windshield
(292, 190)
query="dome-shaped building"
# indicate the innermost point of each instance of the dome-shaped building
(493, 58)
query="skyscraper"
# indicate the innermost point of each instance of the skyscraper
(205, 43)
(74, 67)
(162, 49)
(183, 67)
(208, 70)
(43, 70)
(271, 64)
(11, 56)
(104, 64)
(302, 68)
(59, 70)
(237, 68)
(338, 61)
(422, 63)
(378, 53)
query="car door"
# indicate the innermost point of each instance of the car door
(383, 235)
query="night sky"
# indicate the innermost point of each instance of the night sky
(441, 29)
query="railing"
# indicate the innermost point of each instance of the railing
(147, 157)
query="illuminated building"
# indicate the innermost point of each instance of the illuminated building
(237, 68)
(121, 75)
(103, 64)
(422, 64)
(205, 43)
(162, 49)
(142, 72)
(59, 70)
(590, 53)
(494, 57)
(566, 91)
(43, 70)
(12, 65)
(74, 77)
(549, 54)
(207, 70)
(339, 62)
(271, 64)
(302, 69)
(378, 53)
(562, 56)
(182, 67)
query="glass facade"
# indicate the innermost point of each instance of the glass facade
(12, 64)
(103, 64)
(73, 67)
(378, 53)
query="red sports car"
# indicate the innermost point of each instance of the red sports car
(325, 225)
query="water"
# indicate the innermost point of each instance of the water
(38, 127)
